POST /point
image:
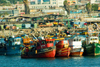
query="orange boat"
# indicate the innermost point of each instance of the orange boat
(41, 49)
(63, 49)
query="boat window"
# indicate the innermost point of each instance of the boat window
(43, 42)
(95, 39)
(17, 40)
(48, 41)
(51, 41)
(74, 40)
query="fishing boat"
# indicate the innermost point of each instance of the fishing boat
(41, 49)
(2, 46)
(76, 46)
(62, 49)
(13, 46)
(92, 46)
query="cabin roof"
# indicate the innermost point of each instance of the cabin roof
(93, 37)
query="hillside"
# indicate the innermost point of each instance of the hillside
(5, 2)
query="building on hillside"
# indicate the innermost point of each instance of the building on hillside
(7, 7)
(10, 12)
(52, 10)
(95, 1)
(87, 1)
(38, 5)
(1, 8)
(52, 3)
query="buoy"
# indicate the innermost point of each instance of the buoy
(35, 51)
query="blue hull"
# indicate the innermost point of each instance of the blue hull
(13, 50)
(2, 51)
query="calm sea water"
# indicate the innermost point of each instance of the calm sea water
(17, 61)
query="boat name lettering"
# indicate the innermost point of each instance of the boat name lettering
(44, 50)
(88, 46)
(42, 45)
(98, 46)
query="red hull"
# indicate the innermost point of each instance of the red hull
(63, 52)
(43, 49)
(76, 53)
(50, 54)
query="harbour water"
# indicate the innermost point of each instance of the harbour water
(17, 61)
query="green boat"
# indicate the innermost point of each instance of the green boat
(92, 46)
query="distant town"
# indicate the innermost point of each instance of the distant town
(26, 14)
(16, 7)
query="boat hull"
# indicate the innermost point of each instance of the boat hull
(92, 49)
(13, 50)
(3, 51)
(63, 52)
(77, 52)
(41, 53)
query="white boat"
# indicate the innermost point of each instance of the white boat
(76, 46)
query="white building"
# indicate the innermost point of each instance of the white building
(93, 1)
(43, 4)
(49, 3)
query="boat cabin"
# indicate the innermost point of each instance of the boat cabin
(45, 43)
(14, 41)
(94, 40)
(75, 43)
(77, 39)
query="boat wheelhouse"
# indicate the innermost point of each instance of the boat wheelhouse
(92, 46)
